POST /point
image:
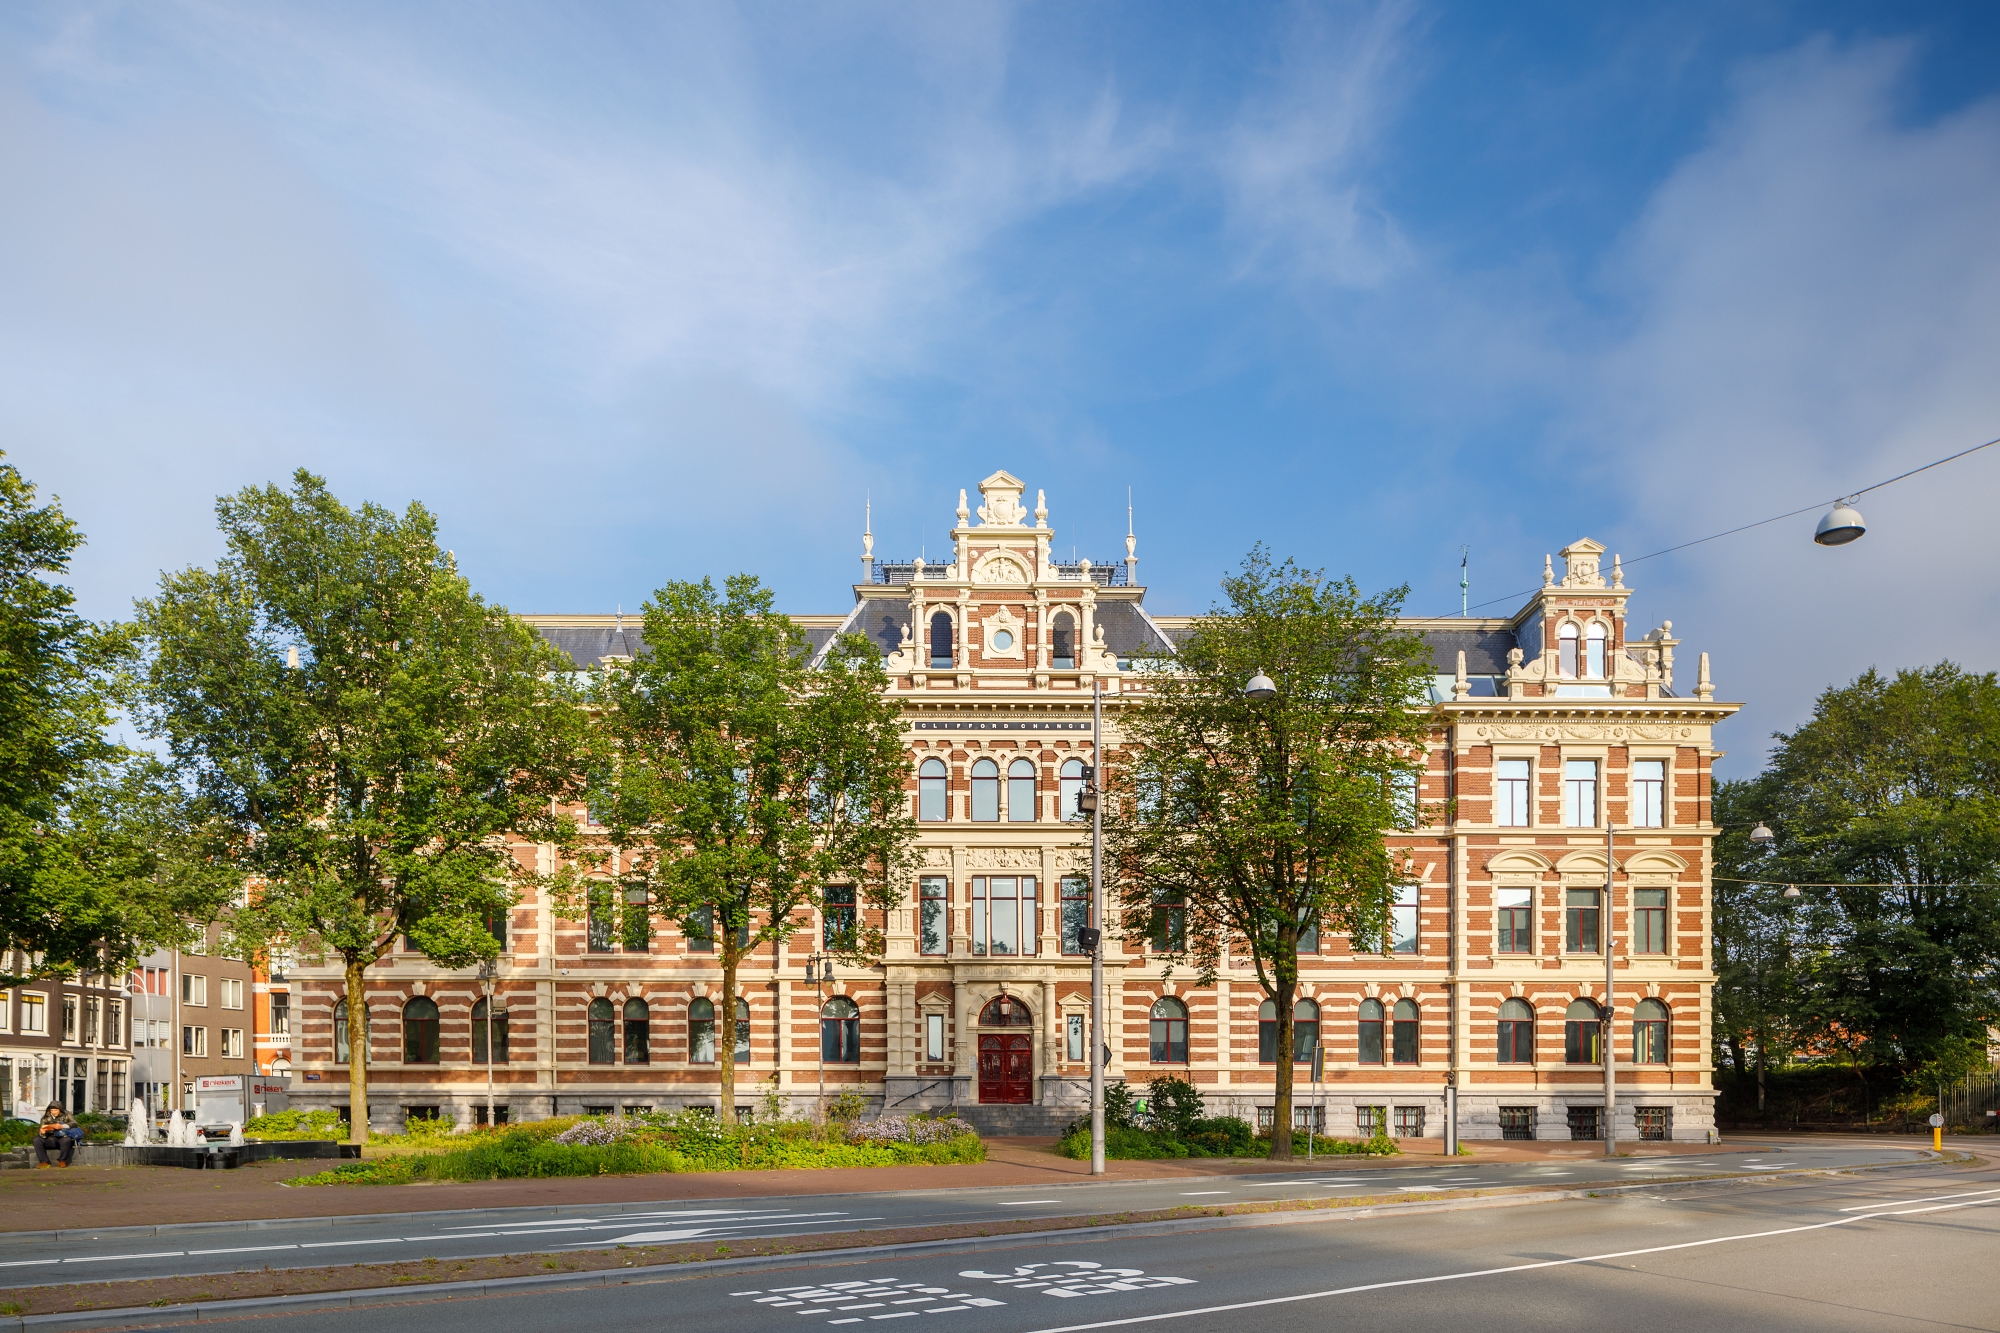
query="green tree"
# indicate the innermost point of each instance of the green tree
(745, 782)
(1765, 948)
(1241, 823)
(367, 729)
(1891, 795)
(86, 827)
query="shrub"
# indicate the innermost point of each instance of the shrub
(1123, 1143)
(16, 1133)
(1173, 1105)
(296, 1125)
(1222, 1136)
(909, 1129)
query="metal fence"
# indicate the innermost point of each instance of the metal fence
(1969, 1103)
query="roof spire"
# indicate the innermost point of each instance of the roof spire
(1131, 544)
(868, 538)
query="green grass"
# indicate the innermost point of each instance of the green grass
(651, 1145)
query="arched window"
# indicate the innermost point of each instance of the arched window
(420, 1031)
(1595, 641)
(601, 1047)
(340, 1046)
(840, 1031)
(1006, 1011)
(1517, 1033)
(1568, 660)
(1403, 1037)
(930, 790)
(985, 791)
(941, 655)
(1649, 1033)
(1062, 642)
(486, 1016)
(1169, 1032)
(1068, 803)
(1371, 1033)
(701, 1032)
(742, 1032)
(638, 1032)
(1305, 1031)
(1582, 1034)
(1022, 806)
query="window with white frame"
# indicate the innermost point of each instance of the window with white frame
(1073, 1032)
(934, 1037)
(1580, 793)
(34, 1014)
(1511, 793)
(1514, 912)
(232, 993)
(931, 779)
(1649, 793)
(232, 1043)
(194, 988)
(194, 1041)
(1003, 915)
(1595, 642)
(1403, 920)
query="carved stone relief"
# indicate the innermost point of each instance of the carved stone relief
(1004, 858)
(1581, 731)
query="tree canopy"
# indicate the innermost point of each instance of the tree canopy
(365, 727)
(1886, 806)
(743, 780)
(1258, 825)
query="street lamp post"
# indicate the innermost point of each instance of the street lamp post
(819, 971)
(1610, 1029)
(486, 989)
(1099, 1048)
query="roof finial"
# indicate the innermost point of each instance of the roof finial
(1548, 571)
(1131, 543)
(964, 514)
(868, 538)
(1617, 572)
(1041, 509)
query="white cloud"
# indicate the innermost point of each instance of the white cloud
(1815, 306)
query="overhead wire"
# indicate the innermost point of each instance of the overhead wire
(1794, 513)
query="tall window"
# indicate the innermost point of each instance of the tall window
(701, 1031)
(700, 930)
(1075, 912)
(635, 933)
(281, 1013)
(742, 1031)
(1514, 910)
(941, 655)
(1403, 799)
(1517, 1033)
(1510, 793)
(1580, 920)
(602, 918)
(1168, 1031)
(1073, 1037)
(340, 1047)
(930, 791)
(1649, 1033)
(1404, 1032)
(1580, 793)
(1649, 920)
(836, 914)
(1169, 932)
(1071, 792)
(1022, 806)
(602, 1032)
(638, 1032)
(1003, 915)
(496, 924)
(1062, 640)
(1649, 793)
(934, 1037)
(1594, 643)
(1583, 1034)
(1370, 1032)
(484, 1013)
(420, 1031)
(1568, 658)
(985, 791)
(1403, 920)
(840, 1031)
(932, 906)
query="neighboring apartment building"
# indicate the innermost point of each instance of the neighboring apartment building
(192, 1017)
(1551, 721)
(64, 1040)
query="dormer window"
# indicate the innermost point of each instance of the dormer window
(941, 656)
(1582, 653)
(1594, 644)
(1062, 651)
(1568, 665)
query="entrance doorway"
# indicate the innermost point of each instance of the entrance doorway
(1006, 1059)
(1006, 1070)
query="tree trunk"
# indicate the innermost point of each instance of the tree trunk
(357, 1054)
(1281, 1113)
(725, 1058)
(1762, 1042)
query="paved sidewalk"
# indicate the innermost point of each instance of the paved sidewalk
(86, 1197)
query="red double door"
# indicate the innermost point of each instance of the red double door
(1006, 1070)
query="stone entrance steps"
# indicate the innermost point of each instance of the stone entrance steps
(1017, 1121)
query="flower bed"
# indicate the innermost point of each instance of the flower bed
(674, 1141)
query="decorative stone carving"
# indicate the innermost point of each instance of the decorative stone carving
(937, 858)
(1003, 858)
(1001, 567)
(1002, 622)
(1003, 508)
(1072, 858)
(1580, 561)
(1581, 731)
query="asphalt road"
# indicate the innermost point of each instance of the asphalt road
(1896, 1251)
(33, 1259)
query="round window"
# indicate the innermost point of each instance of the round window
(1002, 640)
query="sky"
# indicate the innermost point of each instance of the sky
(631, 293)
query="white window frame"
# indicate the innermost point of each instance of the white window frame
(38, 1002)
(1527, 791)
(232, 993)
(1635, 809)
(1571, 794)
(194, 989)
(934, 1052)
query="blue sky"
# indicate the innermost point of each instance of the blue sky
(630, 293)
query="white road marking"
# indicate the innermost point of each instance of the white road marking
(102, 1258)
(1495, 1272)
(1899, 1203)
(1189, 1194)
(28, 1263)
(336, 1244)
(1022, 1203)
(244, 1249)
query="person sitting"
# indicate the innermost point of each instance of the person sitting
(58, 1133)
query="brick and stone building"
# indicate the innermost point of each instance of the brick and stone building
(1549, 722)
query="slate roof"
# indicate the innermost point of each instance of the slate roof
(587, 645)
(1485, 650)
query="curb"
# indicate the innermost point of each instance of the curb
(176, 1315)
